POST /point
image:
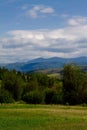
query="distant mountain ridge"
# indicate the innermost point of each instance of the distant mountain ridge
(49, 63)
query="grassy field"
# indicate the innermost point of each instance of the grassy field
(42, 117)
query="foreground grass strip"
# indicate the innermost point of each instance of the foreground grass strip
(42, 117)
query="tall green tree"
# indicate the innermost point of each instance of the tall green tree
(73, 80)
(84, 90)
(13, 83)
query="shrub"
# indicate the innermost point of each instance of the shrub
(33, 97)
(53, 97)
(49, 96)
(5, 97)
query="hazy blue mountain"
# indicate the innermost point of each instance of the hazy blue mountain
(42, 63)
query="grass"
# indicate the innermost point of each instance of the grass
(42, 117)
(54, 75)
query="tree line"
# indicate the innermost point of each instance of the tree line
(39, 88)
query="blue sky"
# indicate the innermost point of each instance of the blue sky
(34, 28)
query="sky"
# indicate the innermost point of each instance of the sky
(31, 29)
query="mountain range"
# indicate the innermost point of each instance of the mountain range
(45, 63)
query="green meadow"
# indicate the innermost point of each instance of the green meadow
(42, 117)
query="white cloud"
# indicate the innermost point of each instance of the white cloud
(76, 21)
(33, 12)
(39, 10)
(47, 10)
(70, 41)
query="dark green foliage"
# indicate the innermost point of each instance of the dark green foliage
(27, 87)
(2, 72)
(50, 96)
(33, 97)
(5, 96)
(73, 84)
(13, 83)
(83, 93)
(36, 88)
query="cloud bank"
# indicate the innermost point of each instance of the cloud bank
(70, 41)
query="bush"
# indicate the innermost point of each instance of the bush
(49, 95)
(53, 97)
(33, 97)
(5, 97)
(58, 98)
